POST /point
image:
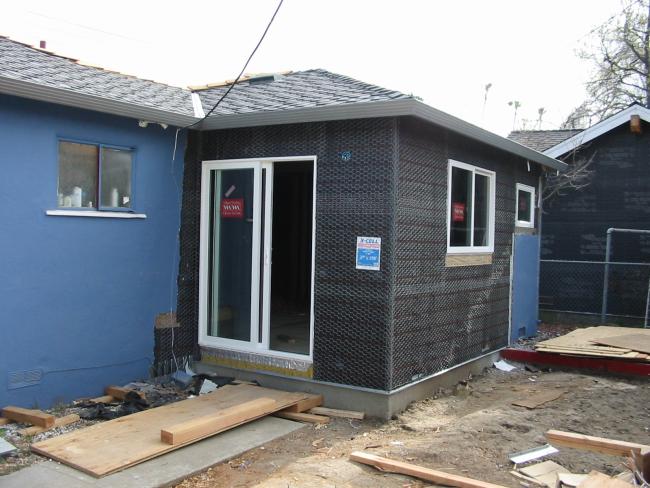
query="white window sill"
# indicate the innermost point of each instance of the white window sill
(95, 213)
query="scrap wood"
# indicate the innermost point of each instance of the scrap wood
(595, 444)
(4, 421)
(546, 472)
(635, 342)
(59, 422)
(570, 479)
(27, 416)
(440, 477)
(108, 447)
(641, 462)
(308, 403)
(104, 399)
(333, 412)
(596, 479)
(537, 399)
(302, 417)
(216, 422)
(120, 393)
(527, 479)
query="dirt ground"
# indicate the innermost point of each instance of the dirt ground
(469, 430)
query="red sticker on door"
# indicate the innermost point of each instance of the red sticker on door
(458, 212)
(232, 208)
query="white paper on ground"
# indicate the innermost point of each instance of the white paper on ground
(503, 366)
(207, 387)
(530, 454)
(5, 447)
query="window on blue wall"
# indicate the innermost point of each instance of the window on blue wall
(95, 176)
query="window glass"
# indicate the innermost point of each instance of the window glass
(116, 178)
(461, 207)
(77, 175)
(481, 209)
(524, 207)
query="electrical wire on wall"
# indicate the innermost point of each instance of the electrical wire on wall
(173, 169)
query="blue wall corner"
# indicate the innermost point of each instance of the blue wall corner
(79, 295)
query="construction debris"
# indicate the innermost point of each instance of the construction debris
(59, 422)
(25, 415)
(532, 454)
(546, 472)
(502, 365)
(6, 447)
(538, 399)
(595, 444)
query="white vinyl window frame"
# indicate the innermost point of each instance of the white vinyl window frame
(491, 176)
(531, 190)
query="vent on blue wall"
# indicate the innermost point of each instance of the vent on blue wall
(21, 379)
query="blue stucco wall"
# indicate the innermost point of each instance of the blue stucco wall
(78, 296)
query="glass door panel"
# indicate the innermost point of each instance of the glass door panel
(232, 261)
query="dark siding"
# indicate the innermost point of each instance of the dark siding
(445, 316)
(354, 198)
(576, 223)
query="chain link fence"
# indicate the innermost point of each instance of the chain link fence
(574, 290)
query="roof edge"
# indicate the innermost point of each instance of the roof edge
(388, 108)
(59, 96)
(597, 130)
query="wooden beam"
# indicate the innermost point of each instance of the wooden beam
(59, 422)
(4, 421)
(332, 412)
(212, 424)
(27, 416)
(602, 445)
(438, 477)
(103, 399)
(120, 393)
(302, 417)
(306, 404)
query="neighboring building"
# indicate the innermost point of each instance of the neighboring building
(334, 236)
(575, 223)
(86, 266)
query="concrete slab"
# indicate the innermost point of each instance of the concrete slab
(162, 471)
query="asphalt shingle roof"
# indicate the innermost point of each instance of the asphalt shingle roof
(541, 140)
(25, 63)
(301, 89)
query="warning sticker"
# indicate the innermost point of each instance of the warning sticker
(232, 208)
(369, 253)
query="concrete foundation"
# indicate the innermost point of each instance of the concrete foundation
(375, 403)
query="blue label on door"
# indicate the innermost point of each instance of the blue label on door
(369, 253)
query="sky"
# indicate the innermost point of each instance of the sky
(445, 52)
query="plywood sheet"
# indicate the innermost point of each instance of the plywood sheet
(111, 446)
(635, 342)
(537, 399)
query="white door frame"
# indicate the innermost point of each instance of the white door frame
(254, 346)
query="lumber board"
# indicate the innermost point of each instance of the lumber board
(333, 412)
(596, 479)
(527, 479)
(27, 416)
(111, 446)
(584, 337)
(302, 417)
(546, 472)
(635, 342)
(537, 399)
(438, 477)
(120, 393)
(59, 422)
(602, 445)
(103, 399)
(4, 421)
(216, 422)
(308, 403)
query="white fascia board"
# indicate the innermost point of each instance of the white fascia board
(388, 108)
(44, 93)
(197, 105)
(597, 130)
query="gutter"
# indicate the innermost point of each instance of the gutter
(44, 93)
(388, 108)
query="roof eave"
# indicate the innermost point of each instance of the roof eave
(44, 93)
(388, 108)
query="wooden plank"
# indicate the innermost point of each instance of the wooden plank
(602, 445)
(600, 480)
(4, 421)
(114, 445)
(537, 399)
(545, 472)
(59, 422)
(527, 479)
(103, 399)
(308, 403)
(216, 422)
(333, 412)
(27, 416)
(120, 393)
(302, 417)
(438, 477)
(635, 342)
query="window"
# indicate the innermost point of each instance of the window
(525, 209)
(94, 176)
(471, 208)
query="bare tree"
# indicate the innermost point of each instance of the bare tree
(619, 50)
(516, 104)
(578, 175)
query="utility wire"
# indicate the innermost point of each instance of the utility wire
(268, 26)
